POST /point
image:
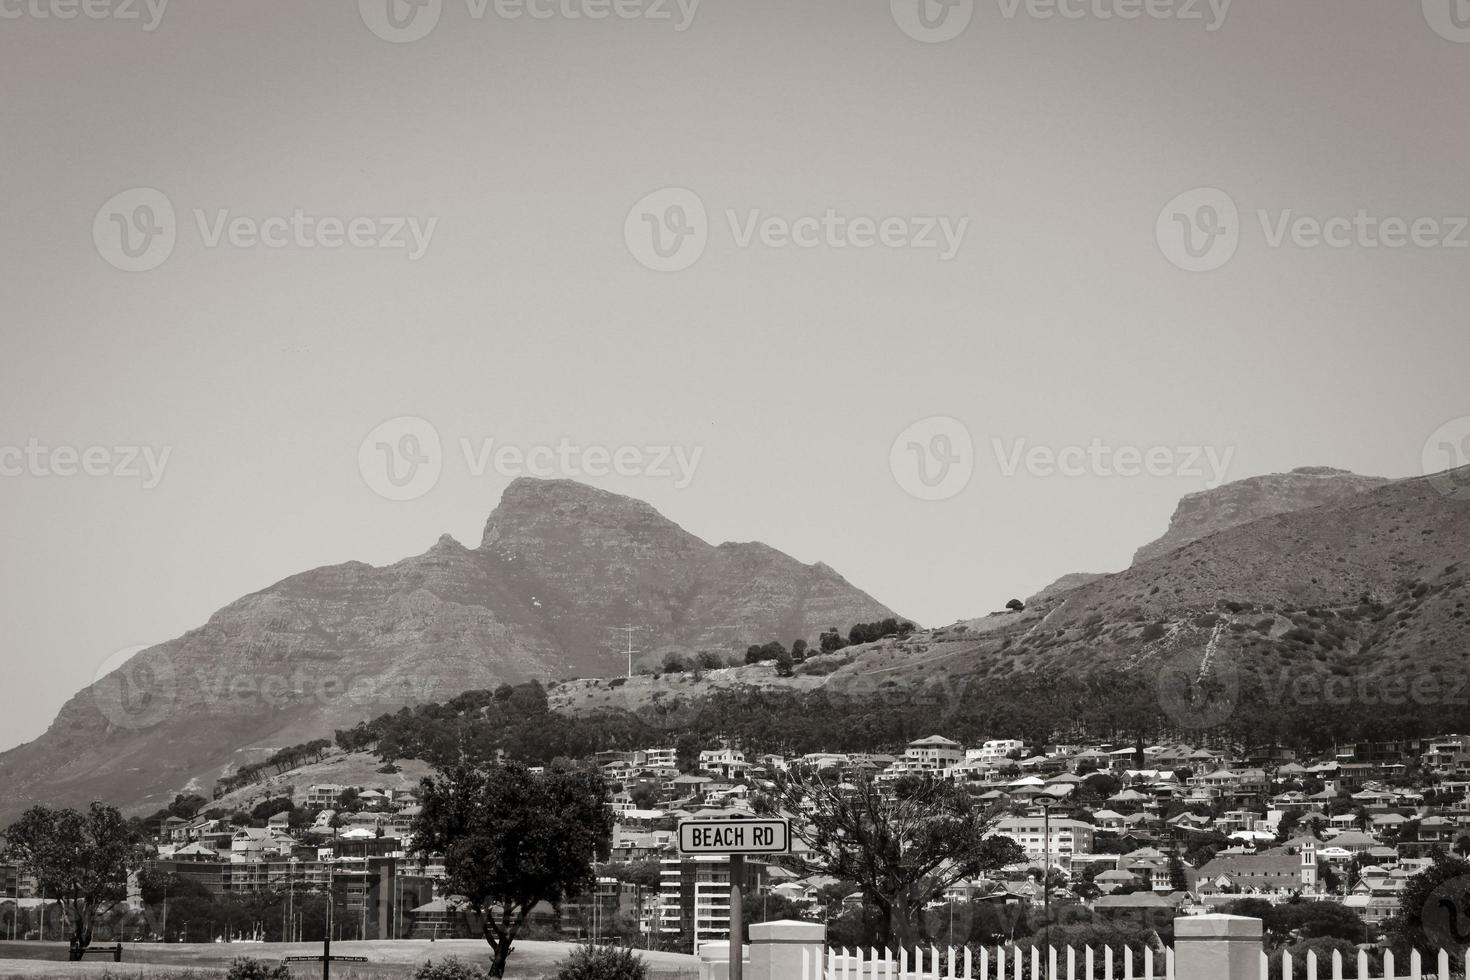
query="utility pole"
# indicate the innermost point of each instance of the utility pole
(1046, 804)
(628, 632)
(737, 916)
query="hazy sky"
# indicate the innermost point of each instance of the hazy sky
(1058, 313)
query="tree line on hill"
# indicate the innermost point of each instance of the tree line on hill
(281, 761)
(873, 715)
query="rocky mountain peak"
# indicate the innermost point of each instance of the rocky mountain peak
(1207, 512)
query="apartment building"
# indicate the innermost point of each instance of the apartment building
(728, 764)
(694, 899)
(659, 758)
(933, 754)
(1067, 837)
(324, 794)
(996, 748)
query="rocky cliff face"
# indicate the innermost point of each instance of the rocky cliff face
(559, 563)
(1202, 514)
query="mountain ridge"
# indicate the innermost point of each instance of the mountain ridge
(558, 564)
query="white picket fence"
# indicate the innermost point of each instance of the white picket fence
(1336, 969)
(1016, 963)
(1099, 964)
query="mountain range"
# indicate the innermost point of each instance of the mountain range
(559, 565)
(1317, 571)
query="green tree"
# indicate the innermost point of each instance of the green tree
(1433, 905)
(79, 859)
(644, 876)
(511, 839)
(1178, 880)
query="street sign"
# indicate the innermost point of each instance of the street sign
(734, 836)
(330, 959)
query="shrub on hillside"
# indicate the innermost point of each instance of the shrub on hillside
(246, 968)
(449, 968)
(818, 668)
(602, 963)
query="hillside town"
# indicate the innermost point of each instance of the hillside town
(1127, 832)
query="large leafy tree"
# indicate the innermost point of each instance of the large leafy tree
(79, 859)
(903, 847)
(512, 838)
(1434, 910)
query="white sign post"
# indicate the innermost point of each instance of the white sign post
(735, 838)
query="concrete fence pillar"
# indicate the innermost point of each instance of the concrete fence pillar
(714, 960)
(1217, 947)
(776, 950)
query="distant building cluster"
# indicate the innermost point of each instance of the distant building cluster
(1179, 828)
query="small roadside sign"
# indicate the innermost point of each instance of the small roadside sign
(734, 836)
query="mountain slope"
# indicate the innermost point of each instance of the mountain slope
(1371, 588)
(1202, 514)
(559, 563)
(1351, 611)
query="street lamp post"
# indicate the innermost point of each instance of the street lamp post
(290, 895)
(1046, 803)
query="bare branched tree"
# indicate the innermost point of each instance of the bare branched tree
(904, 844)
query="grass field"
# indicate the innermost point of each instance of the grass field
(387, 960)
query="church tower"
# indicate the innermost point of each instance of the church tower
(1309, 868)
